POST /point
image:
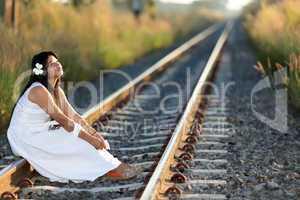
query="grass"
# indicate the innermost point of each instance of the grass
(86, 39)
(275, 31)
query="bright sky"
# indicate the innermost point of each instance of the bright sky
(231, 4)
(178, 1)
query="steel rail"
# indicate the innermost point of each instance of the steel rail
(155, 186)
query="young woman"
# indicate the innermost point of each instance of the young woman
(66, 147)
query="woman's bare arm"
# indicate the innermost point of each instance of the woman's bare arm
(71, 113)
(43, 98)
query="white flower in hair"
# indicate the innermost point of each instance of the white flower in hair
(38, 69)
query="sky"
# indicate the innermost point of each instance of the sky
(237, 4)
(178, 1)
(232, 4)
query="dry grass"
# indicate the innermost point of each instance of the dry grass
(275, 31)
(186, 22)
(91, 37)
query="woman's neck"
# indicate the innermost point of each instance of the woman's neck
(51, 83)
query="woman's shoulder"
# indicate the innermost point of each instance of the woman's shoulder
(37, 91)
(36, 88)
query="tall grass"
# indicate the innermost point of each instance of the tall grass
(90, 37)
(191, 20)
(275, 31)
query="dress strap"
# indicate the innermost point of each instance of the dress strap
(35, 83)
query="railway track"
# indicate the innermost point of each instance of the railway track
(153, 125)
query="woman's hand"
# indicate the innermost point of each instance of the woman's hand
(98, 135)
(97, 142)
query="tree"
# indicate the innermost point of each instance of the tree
(1, 8)
(82, 2)
(11, 9)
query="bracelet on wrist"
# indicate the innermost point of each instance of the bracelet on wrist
(76, 130)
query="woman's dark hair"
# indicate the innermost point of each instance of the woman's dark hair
(41, 58)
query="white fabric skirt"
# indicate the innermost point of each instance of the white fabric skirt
(60, 156)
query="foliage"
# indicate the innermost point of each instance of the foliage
(275, 31)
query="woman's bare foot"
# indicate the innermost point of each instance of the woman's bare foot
(122, 172)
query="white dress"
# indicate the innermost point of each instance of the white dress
(56, 154)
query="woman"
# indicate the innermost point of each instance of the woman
(65, 148)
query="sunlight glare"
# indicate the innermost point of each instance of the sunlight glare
(236, 4)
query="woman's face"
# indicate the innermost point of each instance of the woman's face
(54, 69)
